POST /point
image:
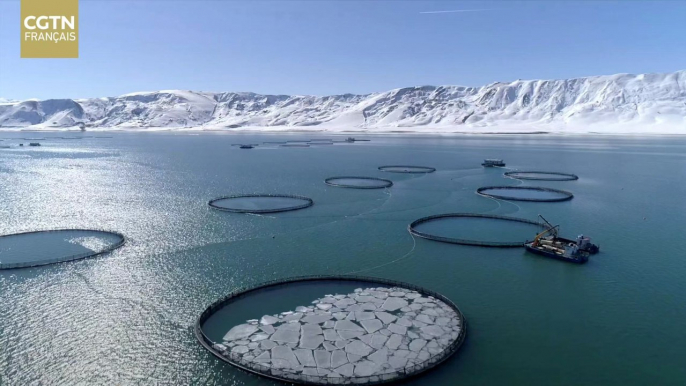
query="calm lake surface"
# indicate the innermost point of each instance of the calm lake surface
(127, 317)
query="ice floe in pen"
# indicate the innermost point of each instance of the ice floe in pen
(370, 332)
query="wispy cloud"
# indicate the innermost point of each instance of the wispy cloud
(458, 11)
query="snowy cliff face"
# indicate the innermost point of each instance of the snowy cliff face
(655, 102)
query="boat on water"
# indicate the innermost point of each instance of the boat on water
(34, 144)
(549, 244)
(247, 146)
(353, 139)
(493, 162)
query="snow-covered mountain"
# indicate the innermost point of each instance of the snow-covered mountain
(615, 103)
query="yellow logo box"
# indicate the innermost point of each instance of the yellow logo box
(49, 28)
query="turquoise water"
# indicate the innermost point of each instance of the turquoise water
(127, 318)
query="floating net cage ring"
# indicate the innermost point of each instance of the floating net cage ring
(116, 245)
(566, 195)
(546, 176)
(277, 374)
(307, 202)
(407, 169)
(497, 244)
(385, 183)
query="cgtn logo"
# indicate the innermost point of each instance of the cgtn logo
(49, 28)
(61, 28)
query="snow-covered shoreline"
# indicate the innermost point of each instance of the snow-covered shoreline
(612, 104)
(457, 131)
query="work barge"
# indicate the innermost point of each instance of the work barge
(493, 163)
(549, 244)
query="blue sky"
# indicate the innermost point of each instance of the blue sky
(317, 47)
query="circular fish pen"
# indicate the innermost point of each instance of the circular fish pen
(473, 226)
(371, 331)
(541, 176)
(407, 169)
(525, 193)
(359, 182)
(36, 248)
(295, 145)
(260, 203)
(320, 141)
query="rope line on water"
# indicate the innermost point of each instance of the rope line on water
(414, 244)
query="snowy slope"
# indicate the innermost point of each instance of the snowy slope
(616, 103)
